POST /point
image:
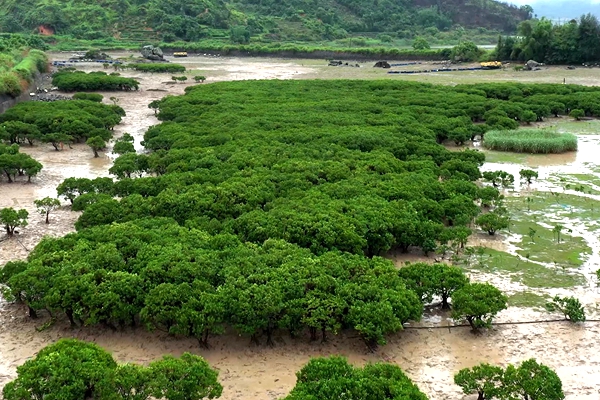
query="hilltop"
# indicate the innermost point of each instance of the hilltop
(271, 20)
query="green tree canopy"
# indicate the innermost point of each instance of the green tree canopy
(478, 303)
(333, 377)
(11, 219)
(75, 370)
(46, 205)
(429, 280)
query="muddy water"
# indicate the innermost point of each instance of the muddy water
(429, 356)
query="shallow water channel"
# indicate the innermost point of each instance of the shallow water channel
(429, 356)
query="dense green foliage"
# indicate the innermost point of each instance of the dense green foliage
(19, 64)
(528, 175)
(570, 307)
(429, 280)
(124, 144)
(14, 164)
(492, 222)
(11, 219)
(575, 42)
(73, 81)
(96, 143)
(88, 96)
(478, 303)
(188, 282)
(535, 141)
(250, 169)
(59, 121)
(333, 378)
(240, 20)
(252, 198)
(160, 67)
(528, 381)
(73, 370)
(483, 379)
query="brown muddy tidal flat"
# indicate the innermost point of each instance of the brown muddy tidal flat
(429, 356)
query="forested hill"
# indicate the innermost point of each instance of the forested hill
(272, 19)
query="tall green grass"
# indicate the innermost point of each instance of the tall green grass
(537, 141)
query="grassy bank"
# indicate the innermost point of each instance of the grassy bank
(18, 69)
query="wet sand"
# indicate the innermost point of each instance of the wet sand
(429, 356)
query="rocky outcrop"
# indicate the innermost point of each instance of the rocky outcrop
(152, 53)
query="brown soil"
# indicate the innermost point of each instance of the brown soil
(429, 356)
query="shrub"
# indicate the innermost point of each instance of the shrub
(88, 96)
(577, 114)
(570, 307)
(535, 141)
(326, 378)
(158, 68)
(421, 43)
(72, 81)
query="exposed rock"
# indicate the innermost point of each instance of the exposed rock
(152, 53)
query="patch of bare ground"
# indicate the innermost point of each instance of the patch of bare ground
(429, 356)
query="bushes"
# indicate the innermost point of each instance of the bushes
(221, 281)
(14, 164)
(333, 378)
(530, 141)
(71, 81)
(157, 68)
(73, 370)
(530, 380)
(88, 96)
(59, 121)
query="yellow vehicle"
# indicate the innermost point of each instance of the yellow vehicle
(492, 64)
(180, 54)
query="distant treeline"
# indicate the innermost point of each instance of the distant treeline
(575, 42)
(299, 51)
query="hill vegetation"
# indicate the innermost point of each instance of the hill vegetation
(156, 20)
(19, 63)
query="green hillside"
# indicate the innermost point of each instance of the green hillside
(304, 20)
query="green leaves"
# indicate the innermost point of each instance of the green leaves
(66, 370)
(14, 164)
(74, 370)
(76, 81)
(570, 307)
(11, 219)
(46, 205)
(334, 378)
(484, 379)
(96, 143)
(478, 303)
(492, 222)
(186, 378)
(528, 175)
(528, 381)
(429, 280)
